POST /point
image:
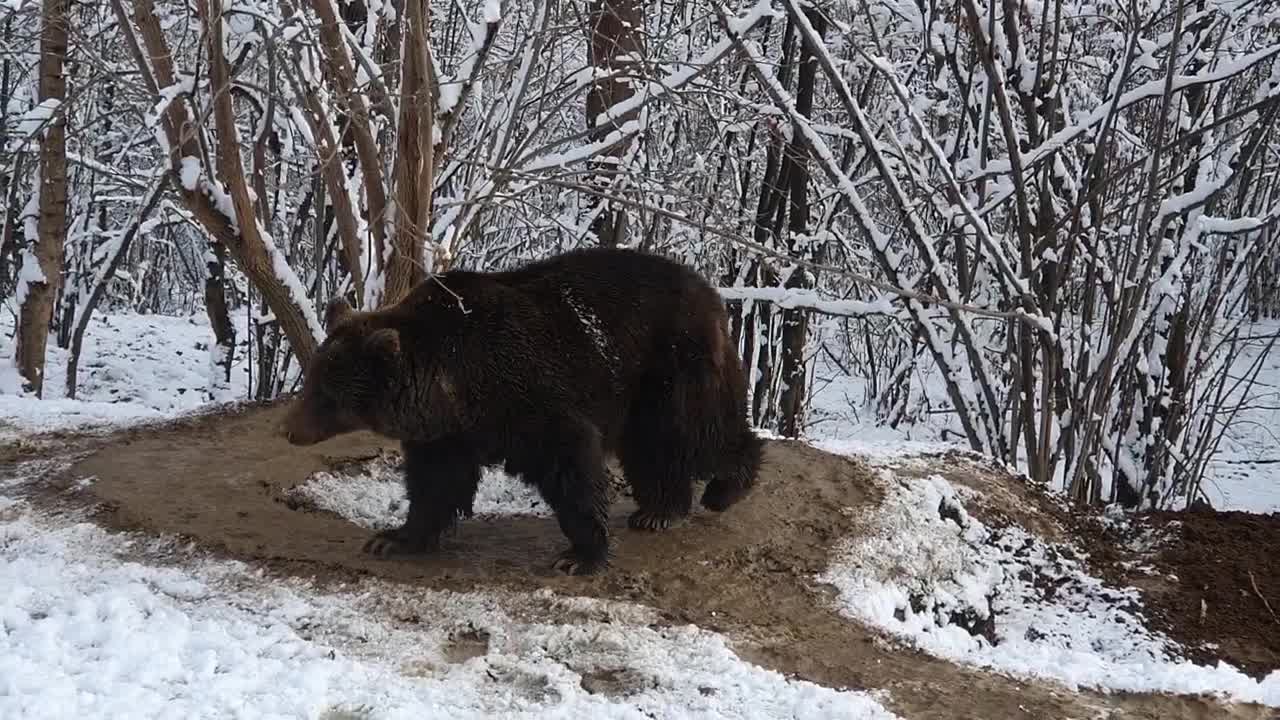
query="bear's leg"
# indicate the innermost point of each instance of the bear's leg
(660, 484)
(735, 474)
(656, 455)
(568, 470)
(736, 455)
(441, 483)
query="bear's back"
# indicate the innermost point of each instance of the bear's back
(630, 304)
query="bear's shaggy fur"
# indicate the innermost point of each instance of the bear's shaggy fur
(545, 368)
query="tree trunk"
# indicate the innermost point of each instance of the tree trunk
(37, 302)
(343, 81)
(240, 235)
(9, 177)
(413, 168)
(9, 220)
(617, 36)
(216, 307)
(254, 251)
(795, 322)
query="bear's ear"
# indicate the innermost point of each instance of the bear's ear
(337, 311)
(384, 340)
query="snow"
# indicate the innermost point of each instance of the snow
(450, 88)
(293, 284)
(492, 11)
(1144, 91)
(38, 118)
(799, 298)
(744, 23)
(593, 326)
(93, 629)
(375, 498)
(132, 368)
(927, 571)
(190, 173)
(1245, 473)
(655, 91)
(28, 274)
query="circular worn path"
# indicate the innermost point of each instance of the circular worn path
(220, 480)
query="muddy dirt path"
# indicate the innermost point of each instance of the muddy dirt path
(220, 480)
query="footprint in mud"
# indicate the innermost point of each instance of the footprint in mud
(616, 682)
(528, 686)
(465, 645)
(345, 714)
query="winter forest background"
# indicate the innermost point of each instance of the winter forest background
(1045, 229)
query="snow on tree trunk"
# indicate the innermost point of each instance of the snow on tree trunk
(617, 41)
(224, 208)
(42, 269)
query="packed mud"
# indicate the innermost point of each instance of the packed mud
(222, 481)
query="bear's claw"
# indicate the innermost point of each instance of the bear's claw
(653, 521)
(395, 542)
(570, 562)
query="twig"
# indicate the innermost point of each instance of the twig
(730, 236)
(1258, 592)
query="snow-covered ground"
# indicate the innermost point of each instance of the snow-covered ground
(374, 496)
(1244, 476)
(93, 629)
(132, 367)
(937, 577)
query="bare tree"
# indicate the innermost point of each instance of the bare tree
(617, 41)
(415, 167)
(41, 273)
(223, 206)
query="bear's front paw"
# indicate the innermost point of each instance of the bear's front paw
(572, 562)
(399, 541)
(654, 521)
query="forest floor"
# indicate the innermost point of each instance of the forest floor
(163, 553)
(800, 579)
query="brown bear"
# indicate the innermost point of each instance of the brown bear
(544, 368)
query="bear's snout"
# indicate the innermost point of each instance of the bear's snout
(284, 431)
(296, 438)
(291, 430)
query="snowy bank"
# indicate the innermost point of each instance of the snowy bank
(936, 577)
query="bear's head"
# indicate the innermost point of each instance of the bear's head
(350, 383)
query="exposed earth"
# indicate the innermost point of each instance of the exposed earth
(222, 481)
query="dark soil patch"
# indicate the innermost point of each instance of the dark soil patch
(1221, 594)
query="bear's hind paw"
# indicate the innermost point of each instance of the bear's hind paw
(397, 542)
(571, 562)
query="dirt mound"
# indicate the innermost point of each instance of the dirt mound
(1210, 580)
(223, 481)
